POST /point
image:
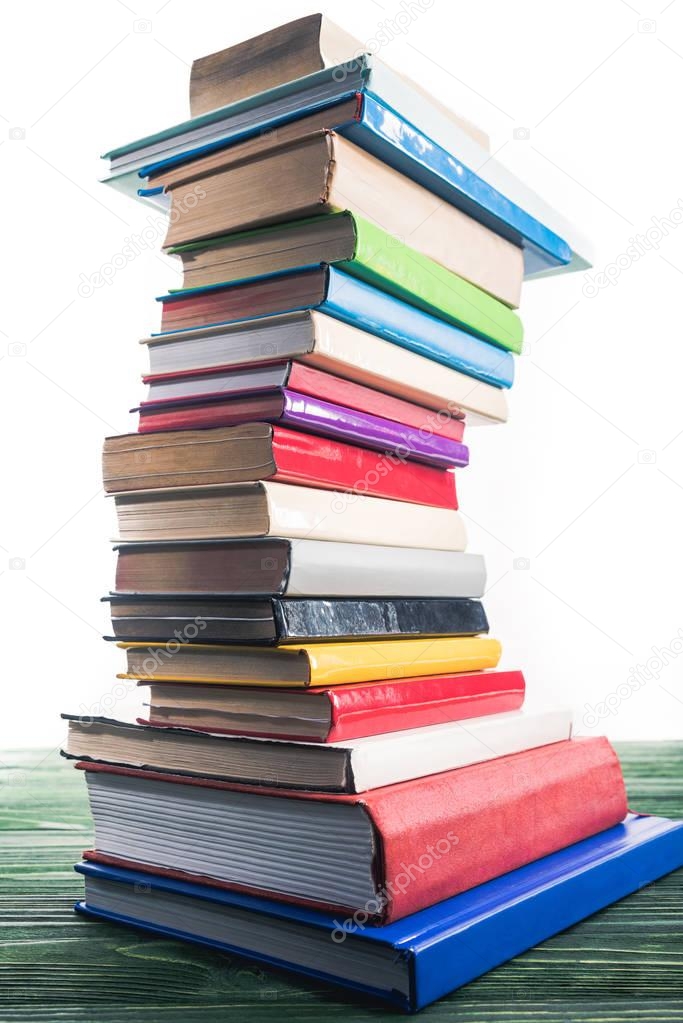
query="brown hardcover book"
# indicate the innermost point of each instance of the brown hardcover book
(282, 55)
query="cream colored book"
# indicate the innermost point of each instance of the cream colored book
(280, 509)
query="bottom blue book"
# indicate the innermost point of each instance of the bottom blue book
(416, 960)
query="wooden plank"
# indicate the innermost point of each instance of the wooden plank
(622, 965)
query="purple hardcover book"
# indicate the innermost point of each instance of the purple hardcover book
(291, 408)
(369, 431)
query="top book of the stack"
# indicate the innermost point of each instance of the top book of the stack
(310, 69)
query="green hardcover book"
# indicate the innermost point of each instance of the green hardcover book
(361, 249)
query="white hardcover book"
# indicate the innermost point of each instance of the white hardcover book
(240, 510)
(355, 518)
(351, 766)
(393, 757)
(352, 570)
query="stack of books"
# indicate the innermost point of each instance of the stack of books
(332, 774)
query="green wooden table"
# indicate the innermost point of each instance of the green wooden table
(623, 964)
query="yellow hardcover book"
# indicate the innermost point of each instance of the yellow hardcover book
(315, 664)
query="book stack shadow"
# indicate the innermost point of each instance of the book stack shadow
(332, 773)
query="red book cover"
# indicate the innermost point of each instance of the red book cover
(315, 461)
(328, 387)
(372, 708)
(447, 833)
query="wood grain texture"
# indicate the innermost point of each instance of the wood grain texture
(622, 965)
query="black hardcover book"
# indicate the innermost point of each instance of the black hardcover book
(282, 620)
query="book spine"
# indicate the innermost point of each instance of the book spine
(354, 570)
(310, 460)
(340, 663)
(299, 620)
(468, 952)
(358, 711)
(398, 442)
(486, 820)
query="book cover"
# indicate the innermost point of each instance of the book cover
(284, 620)
(351, 765)
(337, 713)
(265, 509)
(134, 462)
(304, 568)
(316, 664)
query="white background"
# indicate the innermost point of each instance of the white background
(586, 482)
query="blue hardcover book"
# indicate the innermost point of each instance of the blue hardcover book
(420, 958)
(361, 305)
(442, 157)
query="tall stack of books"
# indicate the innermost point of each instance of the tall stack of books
(332, 774)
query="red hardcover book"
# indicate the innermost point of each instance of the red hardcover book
(297, 376)
(414, 843)
(314, 461)
(259, 451)
(340, 713)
